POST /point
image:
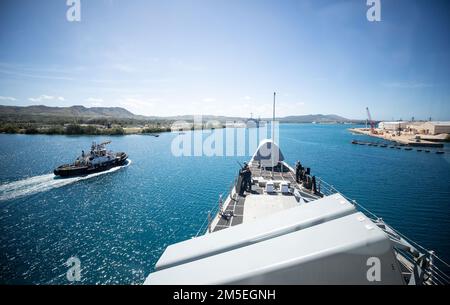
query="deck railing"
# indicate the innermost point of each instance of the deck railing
(206, 225)
(325, 188)
(421, 266)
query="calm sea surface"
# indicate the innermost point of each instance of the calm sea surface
(119, 223)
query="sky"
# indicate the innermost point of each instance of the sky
(227, 57)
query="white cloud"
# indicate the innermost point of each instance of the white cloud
(94, 101)
(209, 99)
(123, 68)
(179, 64)
(153, 100)
(247, 98)
(7, 98)
(139, 105)
(407, 85)
(45, 97)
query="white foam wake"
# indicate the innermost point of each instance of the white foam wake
(44, 183)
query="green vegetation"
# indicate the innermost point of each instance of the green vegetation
(9, 128)
(68, 129)
(75, 129)
(79, 120)
(156, 129)
(31, 130)
(57, 121)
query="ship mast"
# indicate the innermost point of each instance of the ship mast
(273, 132)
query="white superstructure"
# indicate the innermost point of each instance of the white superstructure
(310, 234)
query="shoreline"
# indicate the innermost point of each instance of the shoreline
(404, 139)
(121, 131)
(117, 130)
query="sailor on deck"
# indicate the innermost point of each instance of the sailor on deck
(298, 171)
(247, 178)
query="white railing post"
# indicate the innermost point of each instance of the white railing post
(209, 221)
(431, 265)
(231, 189)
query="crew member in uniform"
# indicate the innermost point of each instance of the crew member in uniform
(298, 171)
(242, 182)
(247, 178)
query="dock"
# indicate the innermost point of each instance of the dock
(403, 139)
(397, 146)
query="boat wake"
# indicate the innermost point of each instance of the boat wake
(38, 184)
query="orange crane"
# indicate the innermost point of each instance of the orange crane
(372, 124)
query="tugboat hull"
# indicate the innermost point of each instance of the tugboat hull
(72, 170)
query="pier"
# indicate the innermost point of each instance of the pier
(396, 146)
(402, 139)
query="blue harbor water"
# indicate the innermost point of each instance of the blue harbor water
(119, 223)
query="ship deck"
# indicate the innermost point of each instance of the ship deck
(237, 204)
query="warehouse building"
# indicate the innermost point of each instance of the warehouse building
(393, 126)
(432, 128)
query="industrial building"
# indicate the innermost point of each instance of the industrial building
(431, 128)
(427, 128)
(393, 126)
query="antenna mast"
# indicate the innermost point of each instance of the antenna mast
(273, 133)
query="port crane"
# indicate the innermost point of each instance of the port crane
(372, 124)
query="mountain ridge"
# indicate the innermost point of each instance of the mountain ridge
(122, 113)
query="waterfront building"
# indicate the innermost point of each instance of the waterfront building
(393, 126)
(432, 128)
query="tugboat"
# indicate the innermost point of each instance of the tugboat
(97, 160)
